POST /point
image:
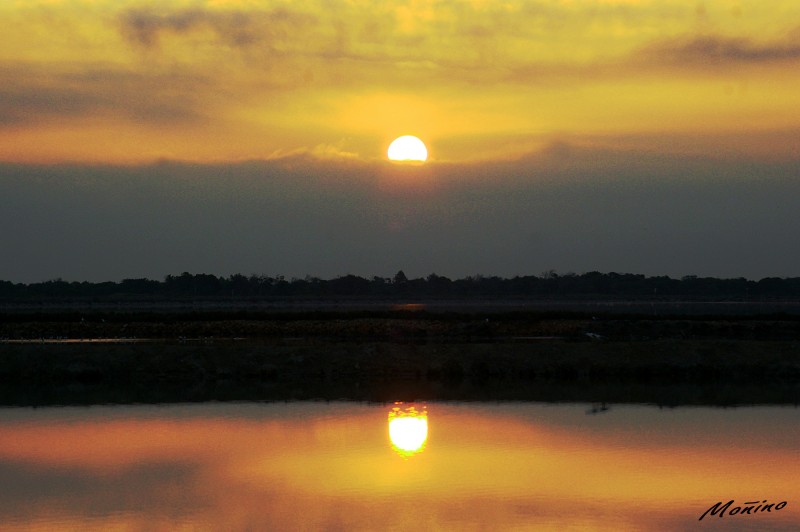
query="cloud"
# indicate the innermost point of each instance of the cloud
(693, 54)
(352, 42)
(241, 29)
(711, 50)
(25, 103)
(30, 95)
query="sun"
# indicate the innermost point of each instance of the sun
(408, 148)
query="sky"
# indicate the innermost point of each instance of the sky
(140, 139)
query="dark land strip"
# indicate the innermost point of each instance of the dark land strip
(111, 357)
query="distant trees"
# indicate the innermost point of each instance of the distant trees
(139, 286)
(589, 285)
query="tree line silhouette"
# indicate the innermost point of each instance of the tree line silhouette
(546, 285)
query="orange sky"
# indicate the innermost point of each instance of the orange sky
(136, 81)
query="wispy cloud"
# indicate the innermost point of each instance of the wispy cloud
(32, 95)
(273, 28)
(713, 50)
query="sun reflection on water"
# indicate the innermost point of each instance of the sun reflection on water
(408, 429)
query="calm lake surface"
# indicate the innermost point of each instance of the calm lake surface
(352, 466)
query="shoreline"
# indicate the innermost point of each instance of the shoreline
(392, 327)
(386, 356)
(666, 372)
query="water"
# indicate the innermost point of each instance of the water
(333, 466)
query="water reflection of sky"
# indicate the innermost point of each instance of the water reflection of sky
(328, 465)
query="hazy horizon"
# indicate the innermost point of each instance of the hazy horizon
(569, 210)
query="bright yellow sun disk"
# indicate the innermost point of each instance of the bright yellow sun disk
(408, 430)
(408, 148)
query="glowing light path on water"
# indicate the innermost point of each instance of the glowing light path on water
(408, 429)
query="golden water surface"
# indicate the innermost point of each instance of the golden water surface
(346, 466)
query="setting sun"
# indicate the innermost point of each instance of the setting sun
(408, 148)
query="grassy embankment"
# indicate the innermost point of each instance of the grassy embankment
(390, 356)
